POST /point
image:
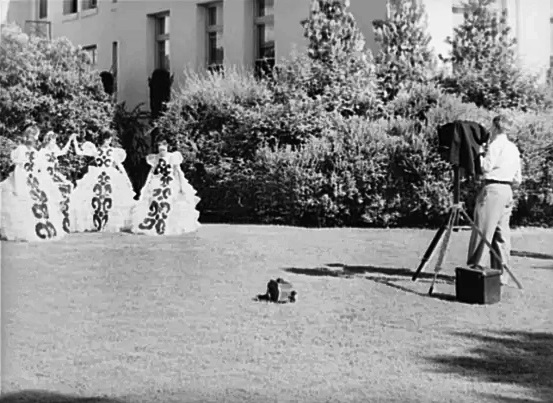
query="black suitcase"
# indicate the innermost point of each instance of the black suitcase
(475, 286)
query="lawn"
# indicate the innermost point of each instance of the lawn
(137, 319)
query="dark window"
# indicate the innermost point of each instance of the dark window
(70, 6)
(42, 8)
(115, 64)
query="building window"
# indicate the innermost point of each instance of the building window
(89, 4)
(115, 64)
(214, 27)
(163, 55)
(42, 9)
(70, 6)
(91, 51)
(264, 36)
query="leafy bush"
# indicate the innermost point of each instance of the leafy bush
(133, 136)
(50, 84)
(160, 91)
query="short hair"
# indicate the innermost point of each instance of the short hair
(500, 122)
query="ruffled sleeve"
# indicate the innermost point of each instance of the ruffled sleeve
(176, 158)
(151, 159)
(89, 149)
(119, 155)
(56, 150)
(19, 155)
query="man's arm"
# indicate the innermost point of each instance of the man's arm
(517, 180)
(488, 160)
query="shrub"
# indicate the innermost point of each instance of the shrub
(133, 136)
(160, 91)
(51, 84)
(108, 82)
(6, 146)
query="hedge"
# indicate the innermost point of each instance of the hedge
(257, 158)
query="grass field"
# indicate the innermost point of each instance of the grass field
(138, 319)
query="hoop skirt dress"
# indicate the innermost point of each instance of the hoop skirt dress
(103, 198)
(167, 204)
(30, 201)
(65, 187)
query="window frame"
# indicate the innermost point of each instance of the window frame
(262, 65)
(94, 49)
(213, 29)
(115, 65)
(162, 37)
(89, 4)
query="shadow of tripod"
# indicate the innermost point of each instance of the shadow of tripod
(456, 211)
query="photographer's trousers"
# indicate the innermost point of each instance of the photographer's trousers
(492, 214)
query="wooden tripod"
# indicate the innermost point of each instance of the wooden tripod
(451, 224)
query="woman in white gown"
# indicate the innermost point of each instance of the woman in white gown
(30, 208)
(104, 197)
(167, 204)
(50, 152)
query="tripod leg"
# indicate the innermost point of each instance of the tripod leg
(473, 225)
(430, 251)
(443, 248)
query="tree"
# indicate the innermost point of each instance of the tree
(332, 32)
(51, 84)
(405, 57)
(338, 70)
(484, 62)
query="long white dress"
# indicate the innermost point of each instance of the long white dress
(167, 204)
(30, 208)
(50, 156)
(103, 198)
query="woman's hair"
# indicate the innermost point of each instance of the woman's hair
(30, 134)
(162, 143)
(105, 135)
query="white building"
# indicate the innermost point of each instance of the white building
(133, 37)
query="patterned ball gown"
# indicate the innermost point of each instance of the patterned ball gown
(30, 208)
(167, 204)
(50, 154)
(103, 198)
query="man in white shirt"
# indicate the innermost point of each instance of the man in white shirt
(501, 168)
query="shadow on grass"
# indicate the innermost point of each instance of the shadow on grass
(39, 396)
(389, 279)
(532, 255)
(520, 358)
(352, 271)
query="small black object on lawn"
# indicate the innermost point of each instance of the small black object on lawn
(475, 286)
(278, 291)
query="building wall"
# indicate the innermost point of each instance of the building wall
(128, 23)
